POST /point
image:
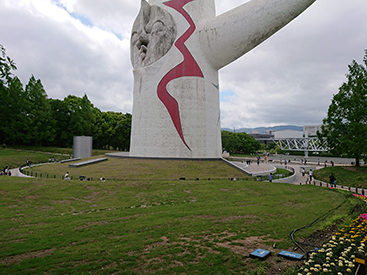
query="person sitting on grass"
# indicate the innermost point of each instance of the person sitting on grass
(66, 177)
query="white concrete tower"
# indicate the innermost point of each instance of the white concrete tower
(177, 48)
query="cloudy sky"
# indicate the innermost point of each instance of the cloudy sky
(82, 47)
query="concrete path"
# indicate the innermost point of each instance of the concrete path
(267, 167)
(15, 173)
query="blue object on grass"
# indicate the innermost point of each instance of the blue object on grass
(260, 253)
(290, 255)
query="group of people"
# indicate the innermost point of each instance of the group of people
(5, 172)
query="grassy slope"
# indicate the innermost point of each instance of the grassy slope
(346, 175)
(144, 169)
(14, 157)
(132, 227)
(143, 224)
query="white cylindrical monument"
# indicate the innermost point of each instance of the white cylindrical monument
(177, 48)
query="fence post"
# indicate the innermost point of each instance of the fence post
(360, 260)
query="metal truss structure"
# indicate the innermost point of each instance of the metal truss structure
(301, 144)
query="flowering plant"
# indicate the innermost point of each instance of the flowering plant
(362, 197)
(338, 255)
(363, 216)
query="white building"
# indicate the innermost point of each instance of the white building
(311, 130)
(287, 134)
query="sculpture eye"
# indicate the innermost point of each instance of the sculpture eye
(157, 27)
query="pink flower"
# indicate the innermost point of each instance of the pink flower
(363, 216)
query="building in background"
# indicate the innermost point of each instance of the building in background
(263, 138)
(311, 130)
(288, 134)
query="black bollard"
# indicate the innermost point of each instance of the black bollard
(360, 261)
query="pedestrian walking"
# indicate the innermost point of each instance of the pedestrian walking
(270, 177)
(310, 173)
(332, 180)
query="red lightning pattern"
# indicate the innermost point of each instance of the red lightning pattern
(188, 67)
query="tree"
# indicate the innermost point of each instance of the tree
(6, 79)
(114, 130)
(39, 126)
(82, 116)
(239, 143)
(60, 114)
(230, 142)
(13, 102)
(248, 144)
(6, 66)
(345, 127)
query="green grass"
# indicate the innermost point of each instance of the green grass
(143, 169)
(139, 227)
(147, 221)
(345, 175)
(15, 157)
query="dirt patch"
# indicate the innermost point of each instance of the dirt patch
(318, 238)
(274, 264)
(248, 218)
(91, 187)
(278, 265)
(26, 256)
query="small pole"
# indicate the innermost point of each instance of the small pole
(360, 261)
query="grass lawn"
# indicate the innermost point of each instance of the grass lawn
(15, 157)
(345, 175)
(139, 227)
(144, 169)
(147, 221)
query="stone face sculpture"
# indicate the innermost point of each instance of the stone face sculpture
(153, 34)
(177, 48)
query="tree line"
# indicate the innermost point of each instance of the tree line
(28, 116)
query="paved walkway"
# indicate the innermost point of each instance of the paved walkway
(267, 167)
(15, 173)
(299, 179)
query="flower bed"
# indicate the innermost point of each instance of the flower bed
(338, 255)
(362, 197)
